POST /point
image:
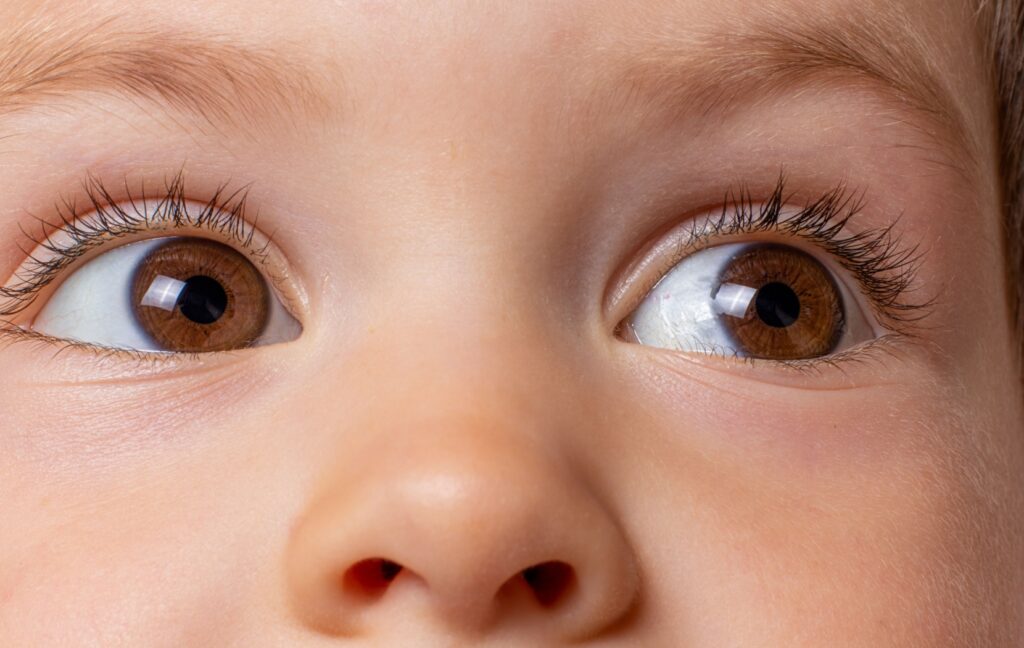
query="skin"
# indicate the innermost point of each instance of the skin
(459, 403)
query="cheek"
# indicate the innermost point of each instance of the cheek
(858, 519)
(176, 541)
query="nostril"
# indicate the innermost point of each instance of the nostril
(371, 577)
(549, 581)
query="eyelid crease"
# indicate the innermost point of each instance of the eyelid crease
(78, 232)
(885, 269)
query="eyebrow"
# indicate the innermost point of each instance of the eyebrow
(215, 78)
(224, 81)
(715, 72)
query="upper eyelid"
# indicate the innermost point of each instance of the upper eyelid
(106, 218)
(885, 268)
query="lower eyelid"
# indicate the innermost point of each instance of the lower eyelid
(77, 365)
(872, 365)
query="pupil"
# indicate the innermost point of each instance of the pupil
(203, 300)
(777, 305)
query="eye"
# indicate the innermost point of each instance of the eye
(172, 294)
(751, 300)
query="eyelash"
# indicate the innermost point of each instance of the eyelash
(110, 219)
(885, 268)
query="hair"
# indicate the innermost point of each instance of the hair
(1007, 49)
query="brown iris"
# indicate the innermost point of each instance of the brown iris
(195, 295)
(794, 312)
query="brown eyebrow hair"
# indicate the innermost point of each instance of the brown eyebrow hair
(766, 55)
(209, 75)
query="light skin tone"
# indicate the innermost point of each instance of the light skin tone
(465, 201)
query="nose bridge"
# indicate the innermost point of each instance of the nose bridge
(474, 355)
(449, 487)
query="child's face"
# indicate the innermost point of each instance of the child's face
(468, 205)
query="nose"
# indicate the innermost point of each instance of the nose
(471, 531)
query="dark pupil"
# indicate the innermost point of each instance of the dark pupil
(777, 305)
(203, 300)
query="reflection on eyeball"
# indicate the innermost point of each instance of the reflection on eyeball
(756, 300)
(171, 294)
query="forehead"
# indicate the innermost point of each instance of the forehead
(461, 35)
(467, 30)
(523, 44)
(583, 34)
(468, 65)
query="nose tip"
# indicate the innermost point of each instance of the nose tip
(470, 543)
